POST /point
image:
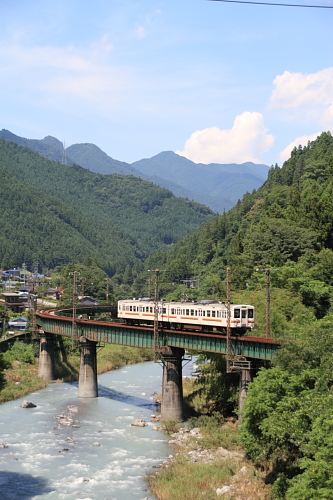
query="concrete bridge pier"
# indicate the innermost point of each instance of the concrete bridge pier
(46, 357)
(88, 369)
(172, 384)
(244, 380)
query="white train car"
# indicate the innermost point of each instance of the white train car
(204, 315)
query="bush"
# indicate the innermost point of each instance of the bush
(20, 352)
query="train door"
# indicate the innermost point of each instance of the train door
(244, 317)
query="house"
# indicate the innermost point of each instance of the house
(14, 301)
(17, 325)
(54, 293)
(88, 301)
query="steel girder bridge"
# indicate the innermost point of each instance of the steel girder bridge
(60, 322)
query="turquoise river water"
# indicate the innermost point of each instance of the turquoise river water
(84, 449)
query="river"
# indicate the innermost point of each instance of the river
(84, 449)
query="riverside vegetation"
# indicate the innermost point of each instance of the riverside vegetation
(19, 365)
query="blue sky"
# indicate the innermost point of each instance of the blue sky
(215, 82)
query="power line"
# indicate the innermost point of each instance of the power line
(276, 4)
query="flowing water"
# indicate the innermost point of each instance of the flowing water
(84, 449)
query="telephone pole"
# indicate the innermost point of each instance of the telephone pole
(268, 298)
(157, 347)
(74, 325)
(229, 341)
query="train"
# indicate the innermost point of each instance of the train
(202, 315)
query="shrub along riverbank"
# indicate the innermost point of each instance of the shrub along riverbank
(19, 366)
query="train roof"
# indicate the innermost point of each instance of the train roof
(182, 304)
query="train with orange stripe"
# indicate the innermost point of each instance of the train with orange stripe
(203, 315)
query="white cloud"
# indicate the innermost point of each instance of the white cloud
(247, 140)
(303, 141)
(310, 96)
(141, 32)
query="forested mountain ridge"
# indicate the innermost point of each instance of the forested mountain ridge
(121, 218)
(217, 186)
(223, 183)
(287, 224)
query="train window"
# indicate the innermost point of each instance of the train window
(213, 314)
(164, 310)
(192, 312)
(130, 308)
(151, 309)
(236, 313)
(218, 314)
(187, 312)
(204, 313)
(140, 309)
(243, 313)
(250, 313)
(196, 313)
(172, 311)
(208, 314)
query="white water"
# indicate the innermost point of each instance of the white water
(35, 464)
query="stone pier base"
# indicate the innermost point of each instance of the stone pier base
(172, 384)
(88, 369)
(46, 357)
(244, 380)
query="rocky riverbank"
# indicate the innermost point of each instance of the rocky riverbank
(200, 471)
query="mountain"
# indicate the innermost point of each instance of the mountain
(94, 159)
(217, 186)
(65, 212)
(226, 182)
(287, 225)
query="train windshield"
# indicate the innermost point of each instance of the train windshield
(250, 313)
(236, 313)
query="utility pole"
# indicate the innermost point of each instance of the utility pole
(157, 347)
(74, 325)
(24, 267)
(149, 285)
(107, 290)
(82, 286)
(268, 298)
(43, 284)
(60, 287)
(229, 341)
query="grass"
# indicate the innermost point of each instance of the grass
(19, 381)
(184, 480)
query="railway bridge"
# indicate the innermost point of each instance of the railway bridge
(249, 352)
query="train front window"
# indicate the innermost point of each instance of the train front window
(236, 313)
(213, 314)
(243, 313)
(250, 313)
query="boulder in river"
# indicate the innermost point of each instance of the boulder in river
(28, 404)
(139, 423)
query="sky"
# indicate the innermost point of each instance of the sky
(215, 82)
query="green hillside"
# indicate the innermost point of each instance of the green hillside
(287, 224)
(123, 218)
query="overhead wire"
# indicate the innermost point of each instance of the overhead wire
(276, 4)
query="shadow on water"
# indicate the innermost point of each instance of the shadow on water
(17, 486)
(105, 392)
